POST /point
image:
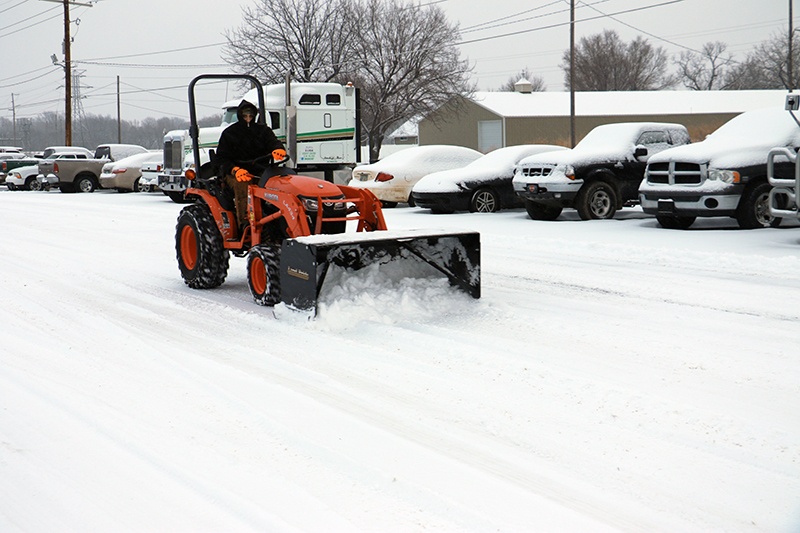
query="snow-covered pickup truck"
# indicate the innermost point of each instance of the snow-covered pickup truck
(82, 175)
(597, 177)
(723, 176)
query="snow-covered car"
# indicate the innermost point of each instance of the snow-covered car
(392, 178)
(23, 179)
(597, 177)
(148, 182)
(724, 175)
(483, 186)
(124, 174)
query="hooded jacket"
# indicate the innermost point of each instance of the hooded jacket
(242, 142)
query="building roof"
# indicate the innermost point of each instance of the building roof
(597, 103)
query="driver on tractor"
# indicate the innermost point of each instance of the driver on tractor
(239, 145)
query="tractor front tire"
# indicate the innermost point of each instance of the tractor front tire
(202, 258)
(263, 273)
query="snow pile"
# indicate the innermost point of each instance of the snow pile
(392, 293)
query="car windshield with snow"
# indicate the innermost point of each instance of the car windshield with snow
(392, 178)
(483, 186)
(724, 175)
(597, 177)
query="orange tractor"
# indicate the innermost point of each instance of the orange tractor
(298, 227)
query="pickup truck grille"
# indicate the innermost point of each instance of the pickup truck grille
(676, 173)
(536, 171)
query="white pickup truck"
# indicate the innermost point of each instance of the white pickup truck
(723, 176)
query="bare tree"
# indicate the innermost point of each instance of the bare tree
(311, 38)
(706, 70)
(603, 62)
(750, 74)
(537, 82)
(406, 64)
(766, 67)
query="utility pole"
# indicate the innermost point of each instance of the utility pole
(67, 70)
(14, 117)
(119, 118)
(572, 73)
(67, 78)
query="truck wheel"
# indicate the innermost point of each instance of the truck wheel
(85, 184)
(540, 211)
(484, 201)
(596, 200)
(675, 222)
(753, 210)
(263, 273)
(202, 258)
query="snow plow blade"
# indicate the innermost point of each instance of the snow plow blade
(305, 261)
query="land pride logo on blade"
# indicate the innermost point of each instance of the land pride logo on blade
(297, 273)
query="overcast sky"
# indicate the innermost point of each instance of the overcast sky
(154, 45)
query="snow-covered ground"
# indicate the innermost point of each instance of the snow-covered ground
(615, 376)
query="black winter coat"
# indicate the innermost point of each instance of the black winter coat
(241, 142)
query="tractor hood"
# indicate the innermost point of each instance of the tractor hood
(304, 186)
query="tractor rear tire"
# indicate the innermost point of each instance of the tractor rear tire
(263, 274)
(202, 258)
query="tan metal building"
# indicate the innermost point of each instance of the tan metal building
(491, 120)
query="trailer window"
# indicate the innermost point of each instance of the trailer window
(333, 99)
(275, 119)
(310, 99)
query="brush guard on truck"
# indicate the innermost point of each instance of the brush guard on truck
(785, 191)
(305, 261)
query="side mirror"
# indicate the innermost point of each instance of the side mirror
(640, 152)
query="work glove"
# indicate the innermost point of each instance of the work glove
(241, 174)
(278, 154)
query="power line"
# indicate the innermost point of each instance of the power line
(4, 33)
(189, 48)
(145, 65)
(486, 25)
(12, 7)
(559, 24)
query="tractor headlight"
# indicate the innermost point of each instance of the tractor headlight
(726, 176)
(310, 204)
